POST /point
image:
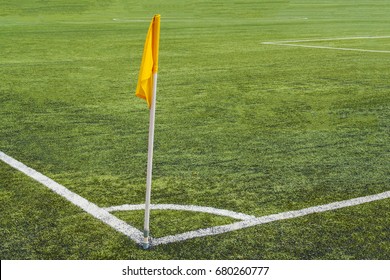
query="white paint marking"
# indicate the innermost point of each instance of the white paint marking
(328, 39)
(166, 19)
(292, 43)
(130, 20)
(270, 218)
(77, 200)
(194, 208)
(136, 235)
(330, 48)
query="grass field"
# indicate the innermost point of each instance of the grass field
(240, 125)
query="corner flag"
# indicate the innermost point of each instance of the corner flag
(147, 89)
(149, 65)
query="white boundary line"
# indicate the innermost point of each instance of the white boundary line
(329, 39)
(292, 43)
(77, 200)
(329, 48)
(270, 218)
(247, 221)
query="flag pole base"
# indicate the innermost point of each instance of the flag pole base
(146, 243)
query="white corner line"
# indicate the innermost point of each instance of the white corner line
(270, 218)
(89, 207)
(193, 208)
(136, 235)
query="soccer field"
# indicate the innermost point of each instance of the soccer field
(263, 107)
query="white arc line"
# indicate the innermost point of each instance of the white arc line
(193, 208)
(77, 200)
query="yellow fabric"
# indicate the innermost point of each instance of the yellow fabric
(149, 63)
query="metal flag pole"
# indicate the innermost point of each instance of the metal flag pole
(146, 242)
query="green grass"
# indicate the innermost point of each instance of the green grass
(252, 128)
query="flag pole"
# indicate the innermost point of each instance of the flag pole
(147, 89)
(146, 242)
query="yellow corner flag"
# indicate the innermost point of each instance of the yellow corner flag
(149, 64)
